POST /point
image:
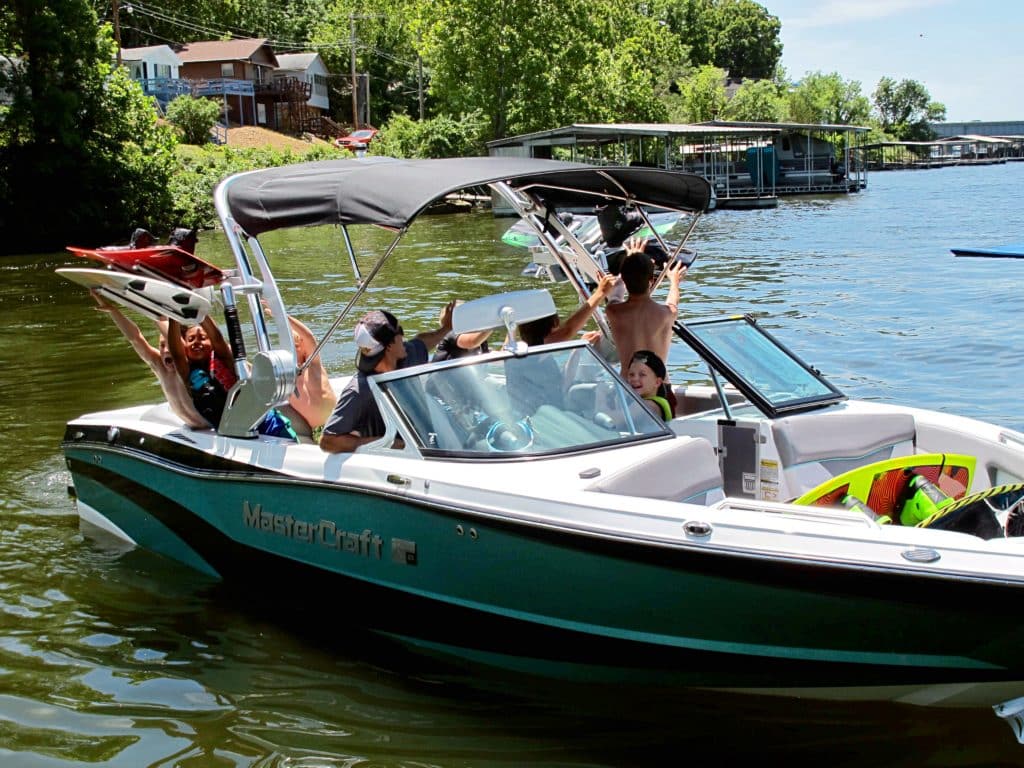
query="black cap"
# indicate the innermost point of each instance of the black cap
(373, 333)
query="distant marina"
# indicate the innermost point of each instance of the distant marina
(753, 164)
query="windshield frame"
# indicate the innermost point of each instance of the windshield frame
(391, 390)
(773, 406)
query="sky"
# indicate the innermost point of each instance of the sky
(968, 55)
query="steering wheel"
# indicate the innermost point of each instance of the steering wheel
(502, 436)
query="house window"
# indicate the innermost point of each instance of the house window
(227, 70)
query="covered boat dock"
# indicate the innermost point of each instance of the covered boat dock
(749, 164)
(941, 153)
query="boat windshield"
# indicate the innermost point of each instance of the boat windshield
(552, 400)
(765, 371)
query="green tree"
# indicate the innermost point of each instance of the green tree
(821, 98)
(81, 154)
(739, 36)
(529, 67)
(439, 136)
(701, 96)
(501, 56)
(746, 41)
(194, 117)
(905, 109)
(158, 21)
(757, 101)
(385, 51)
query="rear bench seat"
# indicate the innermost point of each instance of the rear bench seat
(687, 470)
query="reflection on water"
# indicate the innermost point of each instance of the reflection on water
(115, 657)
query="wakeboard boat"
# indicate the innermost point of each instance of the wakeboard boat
(775, 536)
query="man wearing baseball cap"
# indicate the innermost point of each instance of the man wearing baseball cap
(382, 347)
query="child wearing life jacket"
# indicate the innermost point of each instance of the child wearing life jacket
(646, 375)
(204, 360)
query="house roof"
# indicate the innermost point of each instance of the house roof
(138, 54)
(296, 60)
(242, 49)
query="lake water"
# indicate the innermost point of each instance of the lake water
(118, 658)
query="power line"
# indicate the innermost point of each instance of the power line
(219, 33)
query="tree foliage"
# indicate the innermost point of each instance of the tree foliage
(385, 51)
(905, 109)
(758, 101)
(194, 117)
(702, 96)
(81, 153)
(739, 36)
(201, 168)
(821, 98)
(288, 23)
(440, 136)
(577, 60)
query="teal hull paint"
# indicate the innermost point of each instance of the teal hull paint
(510, 571)
(145, 530)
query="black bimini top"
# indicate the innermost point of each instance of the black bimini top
(391, 193)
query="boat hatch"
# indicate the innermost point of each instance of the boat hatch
(555, 399)
(767, 373)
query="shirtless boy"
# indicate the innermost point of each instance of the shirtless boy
(640, 322)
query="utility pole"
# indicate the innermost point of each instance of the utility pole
(366, 98)
(419, 82)
(117, 28)
(352, 60)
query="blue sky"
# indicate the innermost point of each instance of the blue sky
(969, 55)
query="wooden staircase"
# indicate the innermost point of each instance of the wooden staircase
(324, 127)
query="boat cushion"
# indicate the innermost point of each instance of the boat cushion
(815, 447)
(826, 435)
(687, 470)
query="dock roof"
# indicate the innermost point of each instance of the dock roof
(599, 132)
(607, 132)
(830, 127)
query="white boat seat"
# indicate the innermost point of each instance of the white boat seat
(815, 447)
(687, 470)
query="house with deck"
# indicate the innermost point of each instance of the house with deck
(255, 86)
(158, 69)
(242, 73)
(308, 68)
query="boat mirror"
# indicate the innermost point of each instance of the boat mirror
(502, 309)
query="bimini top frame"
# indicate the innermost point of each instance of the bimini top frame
(391, 193)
